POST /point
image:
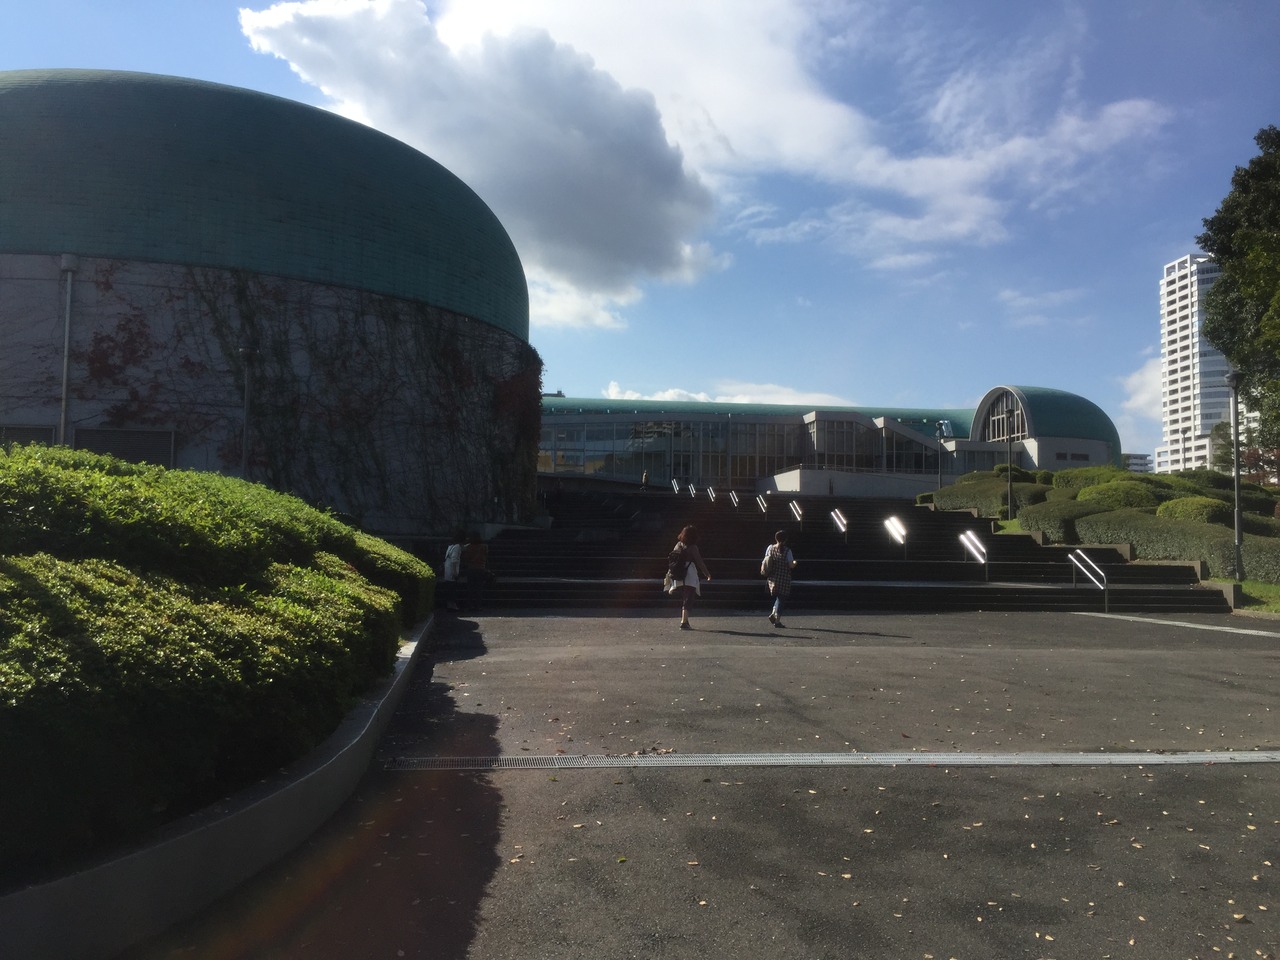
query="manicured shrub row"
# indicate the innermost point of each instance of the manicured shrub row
(1118, 494)
(1056, 519)
(181, 636)
(1155, 538)
(1187, 516)
(988, 496)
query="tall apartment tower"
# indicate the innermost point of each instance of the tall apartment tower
(1193, 393)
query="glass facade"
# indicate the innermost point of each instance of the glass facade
(724, 450)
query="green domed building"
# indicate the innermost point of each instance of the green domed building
(214, 278)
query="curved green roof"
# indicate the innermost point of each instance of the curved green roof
(142, 167)
(1057, 413)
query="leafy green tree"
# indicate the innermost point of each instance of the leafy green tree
(1242, 309)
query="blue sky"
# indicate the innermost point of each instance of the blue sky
(815, 201)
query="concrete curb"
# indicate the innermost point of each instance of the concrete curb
(103, 910)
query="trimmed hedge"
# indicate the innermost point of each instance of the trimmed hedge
(1078, 478)
(1117, 494)
(1156, 538)
(1056, 519)
(988, 495)
(167, 637)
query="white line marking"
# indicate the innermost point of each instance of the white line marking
(1178, 623)
(572, 762)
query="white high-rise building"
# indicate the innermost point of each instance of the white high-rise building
(1193, 393)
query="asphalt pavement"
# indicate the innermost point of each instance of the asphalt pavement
(956, 785)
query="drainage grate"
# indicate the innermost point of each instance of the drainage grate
(568, 762)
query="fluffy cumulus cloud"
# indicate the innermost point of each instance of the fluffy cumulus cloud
(1140, 419)
(614, 139)
(578, 168)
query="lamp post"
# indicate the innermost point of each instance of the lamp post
(938, 434)
(1233, 383)
(1008, 426)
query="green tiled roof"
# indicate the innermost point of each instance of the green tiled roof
(143, 167)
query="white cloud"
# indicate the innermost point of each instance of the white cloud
(1142, 391)
(578, 168)
(733, 391)
(607, 136)
(1038, 309)
(1140, 419)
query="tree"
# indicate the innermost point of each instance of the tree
(1242, 308)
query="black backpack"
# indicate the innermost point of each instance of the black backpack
(677, 563)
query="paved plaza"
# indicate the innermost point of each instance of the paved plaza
(962, 785)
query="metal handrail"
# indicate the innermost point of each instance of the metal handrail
(1082, 562)
(975, 547)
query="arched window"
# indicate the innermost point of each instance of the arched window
(1005, 419)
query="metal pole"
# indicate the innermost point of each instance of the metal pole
(1233, 382)
(70, 263)
(939, 436)
(246, 356)
(1008, 426)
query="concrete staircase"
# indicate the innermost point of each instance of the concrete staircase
(608, 551)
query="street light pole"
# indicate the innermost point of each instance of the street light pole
(938, 434)
(1233, 382)
(1008, 426)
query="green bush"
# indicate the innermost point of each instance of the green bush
(1077, 478)
(1118, 494)
(988, 496)
(1056, 519)
(1206, 479)
(1202, 509)
(399, 571)
(167, 637)
(1157, 538)
(1020, 475)
(1061, 493)
(1044, 477)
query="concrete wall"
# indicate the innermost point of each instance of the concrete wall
(816, 483)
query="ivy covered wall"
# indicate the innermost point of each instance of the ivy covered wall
(407, 417)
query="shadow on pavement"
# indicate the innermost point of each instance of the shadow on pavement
(400, 869)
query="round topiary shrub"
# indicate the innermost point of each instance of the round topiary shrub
(1118, 494)
(1202, 509)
